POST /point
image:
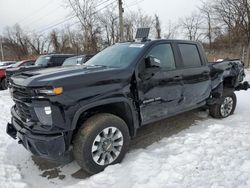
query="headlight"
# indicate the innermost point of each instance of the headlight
(53, 91)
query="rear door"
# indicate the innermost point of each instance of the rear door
(196, 74)
(160, 92)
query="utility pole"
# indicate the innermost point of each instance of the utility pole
(157, 27)
(121, 10)
(1, 48)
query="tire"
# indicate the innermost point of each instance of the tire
(4, 84)
(228, 98)
(88, 155)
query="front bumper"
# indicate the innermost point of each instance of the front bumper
(52, 147)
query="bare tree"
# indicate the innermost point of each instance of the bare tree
(192, 26)
(54, 38)
(207, 12)
(134, 20)
(171, 31)
(85, 11)
(16, 41)
(37, 44)
(109, 23)
(75, 40)
(235, 14)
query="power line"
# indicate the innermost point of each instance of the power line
(36, 11)
(71, 17)
(104, 7)
(54, 25)
(136, 3)
(53, 11)
(102, 3)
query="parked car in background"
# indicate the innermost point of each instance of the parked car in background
(3, 66)
(3, 81)
(23, 63)
(6, 63)
(44, 61)
(77, 60)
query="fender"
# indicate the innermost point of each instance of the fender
(106, 102)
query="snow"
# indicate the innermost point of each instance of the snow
(211, 153)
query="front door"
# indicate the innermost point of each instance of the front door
(160, 91)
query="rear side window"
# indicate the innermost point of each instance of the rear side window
(190, 55)
(164, 53)
(58, 61)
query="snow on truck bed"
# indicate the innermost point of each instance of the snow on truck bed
(210, 153)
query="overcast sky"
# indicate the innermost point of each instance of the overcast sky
(40, 14)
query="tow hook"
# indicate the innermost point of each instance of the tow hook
(243, 86)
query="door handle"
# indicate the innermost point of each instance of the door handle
(177, 78)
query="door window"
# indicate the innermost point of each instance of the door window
(164, 53)
(190, 55)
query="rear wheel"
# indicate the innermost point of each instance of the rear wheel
(225, 107)
(101, 141)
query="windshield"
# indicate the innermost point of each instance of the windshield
(72, 61)
(119, 55)
(42, 60)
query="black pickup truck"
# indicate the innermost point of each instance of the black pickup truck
(92, 111)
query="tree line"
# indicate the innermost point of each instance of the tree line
(223, 26)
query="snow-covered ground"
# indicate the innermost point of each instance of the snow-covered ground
(211, 153)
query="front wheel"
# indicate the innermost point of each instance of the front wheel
(101, 141)
(225, 107)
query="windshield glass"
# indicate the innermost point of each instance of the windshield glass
(119, 55)
(72, 61)
(42, 60)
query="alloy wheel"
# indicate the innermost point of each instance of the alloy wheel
(226, 107)
(107, 146)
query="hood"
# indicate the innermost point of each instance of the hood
(23, 68)
(66, 76)
(4, 67)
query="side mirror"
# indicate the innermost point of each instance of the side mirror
(152, 62)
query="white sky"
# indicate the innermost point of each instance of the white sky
(39, 14)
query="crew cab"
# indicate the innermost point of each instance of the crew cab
(44, 61)
(91, 112)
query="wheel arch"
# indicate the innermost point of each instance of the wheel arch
(120, 107)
